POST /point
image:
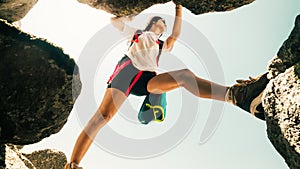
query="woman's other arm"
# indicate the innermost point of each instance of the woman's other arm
(119, 22)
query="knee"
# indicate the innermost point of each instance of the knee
(96, 122)
(101, 117)
(105, 114)
(185, 75)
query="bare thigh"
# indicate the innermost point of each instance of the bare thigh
(112, 100)
(187, 79)
(166, 81)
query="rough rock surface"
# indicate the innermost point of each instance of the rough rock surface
(47, 159)
(205, 6)
(44, 159)
(36, 87)
(14, 10)
(128, 7)
(281, 99)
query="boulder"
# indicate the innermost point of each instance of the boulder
(281, 99)
(203, 6)
(39, 84)
(127, 7)
(2, 156)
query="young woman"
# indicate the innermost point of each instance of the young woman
(135, 74)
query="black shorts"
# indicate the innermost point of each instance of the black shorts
(129, 79)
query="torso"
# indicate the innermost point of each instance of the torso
(144, 53)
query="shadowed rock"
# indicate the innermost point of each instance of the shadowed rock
(2, 156)
(204, 6)
(128, 7)
(281, 99)
(36, 87)
(14, 10)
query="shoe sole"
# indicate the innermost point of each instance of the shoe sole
(255, 103)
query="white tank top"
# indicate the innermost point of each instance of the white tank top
(143, 53)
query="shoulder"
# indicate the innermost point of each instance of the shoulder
(139, 31)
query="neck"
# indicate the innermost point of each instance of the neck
(155, 30)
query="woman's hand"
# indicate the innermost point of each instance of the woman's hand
(178, 7)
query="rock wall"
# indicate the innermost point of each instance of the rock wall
(2, 156)
(36, 87)
(128, 7)
(39, 84)
(281, 99)
(204, 6)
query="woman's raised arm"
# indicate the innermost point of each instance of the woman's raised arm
(176, 27)
(119, 22)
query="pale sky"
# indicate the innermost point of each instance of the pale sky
(244, 41)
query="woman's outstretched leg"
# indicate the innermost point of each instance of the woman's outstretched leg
(246, 94)
(185, 78)
(111, 102)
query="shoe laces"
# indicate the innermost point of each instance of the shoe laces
(241, 87)
(242, 82)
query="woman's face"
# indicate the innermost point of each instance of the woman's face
(161, 23)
